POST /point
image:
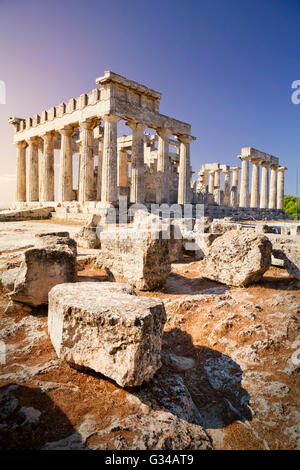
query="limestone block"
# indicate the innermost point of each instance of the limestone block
(41, 269)
(102, 327)
(8, 278)
(287, 250)
(237, 258)
(87, 237)
(203, 242)
(56, 240)
(138, 257)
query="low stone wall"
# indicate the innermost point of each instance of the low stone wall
(26, 214)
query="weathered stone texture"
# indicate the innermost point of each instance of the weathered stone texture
(107, 330)
(140, 258)
(52, 262)
(287, 250)
(237, 258)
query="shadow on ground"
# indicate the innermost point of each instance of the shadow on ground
(30, 419)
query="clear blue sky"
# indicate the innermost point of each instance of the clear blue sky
(226, 67)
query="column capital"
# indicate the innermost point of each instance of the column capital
(227, 172)
(265, 164)
(33, 140)
(235, 168)
(274, 166)
(185, 138)
(136, 126)
(164, 132)
(218, 170)
(282, 168)
(48, 136)
(243, 158)
(68, 130)
(255, 160)
(21, 144)
(110, 118)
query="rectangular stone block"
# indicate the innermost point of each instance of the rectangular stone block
(105, 327)
(140, 258)
(52, 262)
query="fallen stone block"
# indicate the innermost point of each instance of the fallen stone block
(287, 251)
(8, 278)
(140, 258)
(172, 228)
(102, 326)
(56, 240)
(237, 258)
(42, 269)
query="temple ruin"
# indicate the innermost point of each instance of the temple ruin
(147, 168)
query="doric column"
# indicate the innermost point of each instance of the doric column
(47, 192)
(100, 164)
(280, 186)
(109, 190)
(264, 193)
(66, 165)
(184, 187)
(86, 185)
(234, 187)
(162, 194)
(211, 182)
(33, 183)
(227, 185)
(21, 171)
(244, 189)
(201, 182)
(217, 182)
(122, 167)
(255, 183)
(273, 187)
(137, 187)
(235, 176)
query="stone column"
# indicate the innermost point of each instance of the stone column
(234, 187)
(122, 167)
(217, 182)
(280, 186)
(235, 176)
(184, 187)
(227, 185)
(100, 164)
(273, 187)
(244, 189)
(162, 195)
(21, 171)
(137, 188)
(86, 186)
(109, 190)
(48, 168)
(255, 183)
(33, 183)
(211, 182)
(66, 165)
(264, 193)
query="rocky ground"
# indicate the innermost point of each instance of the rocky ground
(229, 380)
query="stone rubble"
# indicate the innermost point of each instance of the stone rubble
(237, 258)
(140, 258)
(52, 262)
(109, 330)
